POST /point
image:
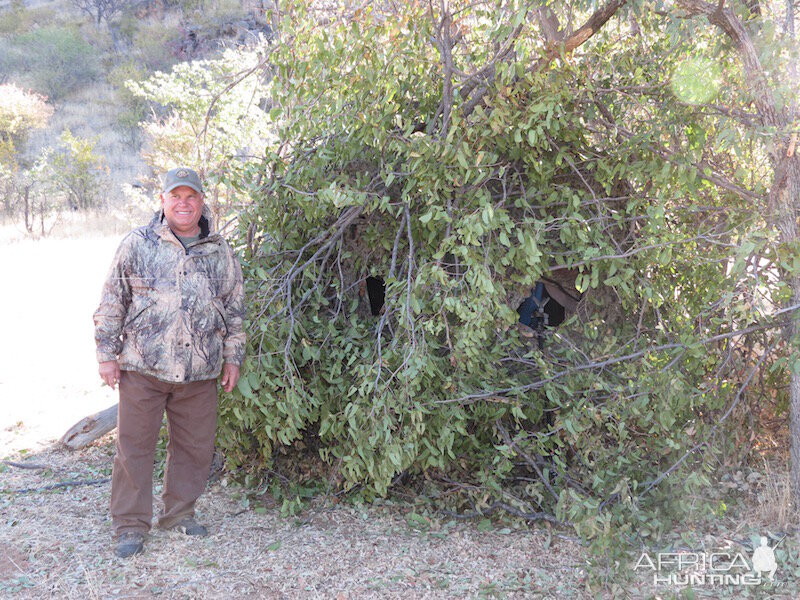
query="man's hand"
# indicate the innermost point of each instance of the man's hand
(230, 376)
(109, 372)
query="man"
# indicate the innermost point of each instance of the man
(169, 321)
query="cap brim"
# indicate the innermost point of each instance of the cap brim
(178, 184)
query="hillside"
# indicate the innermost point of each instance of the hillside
(81, 69)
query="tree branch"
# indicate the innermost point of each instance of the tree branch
(56, 486)
(444, 43)
(512, 446)
(497, 395)
(729, 23)
(592, 25)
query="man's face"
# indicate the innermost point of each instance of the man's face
(183, 208)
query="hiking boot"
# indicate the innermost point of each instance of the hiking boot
(129, 543)
(190, 527)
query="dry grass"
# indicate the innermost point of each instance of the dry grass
(773, 507)
(92, 113)
(86, 225)
(155, 37)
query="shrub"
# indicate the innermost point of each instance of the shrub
(133, 109)
(211, 16)
(59, 60)
(11, 58)
(156, 43)
(13, 19)
(75, 171)
(20, 19)
(377, 171)
(20, 111)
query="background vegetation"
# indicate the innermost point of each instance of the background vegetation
(641, 154)
(80, 61)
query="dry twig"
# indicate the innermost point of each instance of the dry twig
(54, 486)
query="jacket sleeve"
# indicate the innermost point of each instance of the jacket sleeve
(234, 343)
(114, 301)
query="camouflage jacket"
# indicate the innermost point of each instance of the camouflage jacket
(169, 312)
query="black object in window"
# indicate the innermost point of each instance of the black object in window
(540, 310)
(376, 290)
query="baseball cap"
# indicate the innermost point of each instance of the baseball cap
(182, 176)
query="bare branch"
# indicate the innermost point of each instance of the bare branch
(385, 314)
(528, 516)
(19, 465)
(510, 443)
(497, 395)
(408, 276)
(55, 486)
(592, 25)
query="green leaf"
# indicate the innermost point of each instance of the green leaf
(243, 385)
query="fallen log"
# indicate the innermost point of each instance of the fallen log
(88, 429)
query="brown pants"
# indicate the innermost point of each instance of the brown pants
(191, 423)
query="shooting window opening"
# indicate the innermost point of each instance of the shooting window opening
(376, 291)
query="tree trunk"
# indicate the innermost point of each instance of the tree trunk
(794, 423)
(789, 236)
(116, 39)
(88, 429)
(783, 200)
(27, 205)
(7, 199)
